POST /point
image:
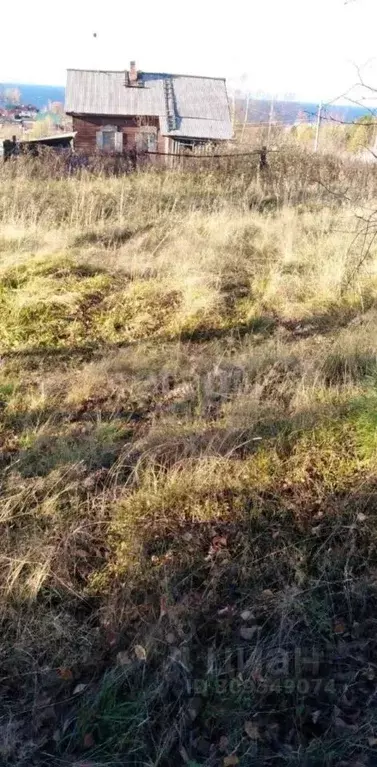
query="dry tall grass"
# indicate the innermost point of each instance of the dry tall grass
(187, 455)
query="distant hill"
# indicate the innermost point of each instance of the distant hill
(38, 95)
(287, 112)
(290, 112)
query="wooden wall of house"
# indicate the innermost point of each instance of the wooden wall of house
(86, 128)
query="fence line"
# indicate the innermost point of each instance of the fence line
(232, 155)
(13, 149)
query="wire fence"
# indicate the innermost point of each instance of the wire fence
(275, 164)
(133, 160)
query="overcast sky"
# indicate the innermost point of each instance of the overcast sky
(306, 49)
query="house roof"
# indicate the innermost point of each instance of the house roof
(54, 139)
(200, 104)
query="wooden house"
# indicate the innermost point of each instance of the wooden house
(147, 112)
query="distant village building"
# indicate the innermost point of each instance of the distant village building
(146, 112)
(19, 112)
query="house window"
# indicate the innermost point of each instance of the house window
(147, 141)
(109, 139)
(152, 142)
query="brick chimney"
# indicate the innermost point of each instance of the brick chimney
(132, 77)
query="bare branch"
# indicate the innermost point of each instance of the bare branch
(364, 84)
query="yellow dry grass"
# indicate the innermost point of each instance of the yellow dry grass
(187, 435)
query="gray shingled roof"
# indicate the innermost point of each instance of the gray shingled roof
(200, 103)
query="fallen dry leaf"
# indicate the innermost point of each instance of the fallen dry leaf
(219, 541)
(88, 740)
(79, 688)
(163, 607)
(65, 673)
(372, 741)
(123, 658)
(247, 632)
(140, 652)
(252, 730)
(223, 744)
(231, 760)
(267, 594)
(247, 615)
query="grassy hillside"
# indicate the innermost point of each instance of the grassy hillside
(188, 451)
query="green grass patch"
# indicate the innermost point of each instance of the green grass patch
(143, 309)
(95, 445)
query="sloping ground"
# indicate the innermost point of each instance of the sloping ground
(188, 490)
